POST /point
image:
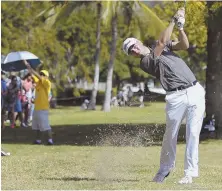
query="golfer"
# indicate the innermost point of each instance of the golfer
(185, 97)
(40, 122)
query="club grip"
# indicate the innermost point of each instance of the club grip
(179, 24)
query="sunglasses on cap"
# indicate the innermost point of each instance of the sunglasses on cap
(42, 74)
(130, 49)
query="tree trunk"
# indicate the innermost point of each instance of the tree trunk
(92, 104)
(106, 105)
(214, 68)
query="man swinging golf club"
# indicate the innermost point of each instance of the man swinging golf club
(185, 97)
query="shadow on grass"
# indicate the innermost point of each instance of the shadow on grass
(73, 179)
(92, 179)
(96, 135)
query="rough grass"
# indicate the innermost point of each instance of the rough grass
(107, 163)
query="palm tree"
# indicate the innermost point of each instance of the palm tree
(128, 10)
(111, 11)
(92, 104)
(108, 92)
(64, 9)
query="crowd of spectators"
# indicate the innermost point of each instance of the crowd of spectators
(17, 99)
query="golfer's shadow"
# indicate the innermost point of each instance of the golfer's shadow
(92, 179)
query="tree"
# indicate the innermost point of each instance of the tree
(136, 11)
(16, 27)
(108, 93)
(60, 17)
(74, 24)
(65, 12)
(62, 34)
(92, 104)
(23, 30)
(214, 66)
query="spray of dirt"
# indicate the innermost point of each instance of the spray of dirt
(118, 149)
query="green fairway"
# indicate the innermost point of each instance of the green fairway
(97, 150)
(72, 167)
(153, 113)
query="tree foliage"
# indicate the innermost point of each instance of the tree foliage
(67, 48)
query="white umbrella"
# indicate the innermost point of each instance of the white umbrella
(2, 58)
(14, 61)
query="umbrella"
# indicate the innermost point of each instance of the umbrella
(14, 61)
(2, 58)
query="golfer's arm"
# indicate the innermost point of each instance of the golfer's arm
(183, 42)
(164, 38)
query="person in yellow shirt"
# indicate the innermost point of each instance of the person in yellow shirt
(40, 121)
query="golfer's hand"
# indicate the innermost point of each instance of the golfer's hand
(180, 23)
(179, 18)
(178, 14)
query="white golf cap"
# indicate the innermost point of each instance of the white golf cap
(128, 43)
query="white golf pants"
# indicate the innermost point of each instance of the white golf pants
(189, 104)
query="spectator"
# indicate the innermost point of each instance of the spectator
(40, 122)
(27, 82)
(85, 104)
(114, 101)
(129, 95)
(18, 113)
(50, 96)
(146, 89)
(120, 98)
(141, 97)
(32, 101)
(11, 100)
(125, 95)
(3, 87)
(3, 93)
(27, 96)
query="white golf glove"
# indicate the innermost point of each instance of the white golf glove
(180, 13)
(180, 23)
(179, 18)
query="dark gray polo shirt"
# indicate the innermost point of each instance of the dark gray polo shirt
(169, 68)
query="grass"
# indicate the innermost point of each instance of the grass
(154, 113)
(72, 168)
(71, 165)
